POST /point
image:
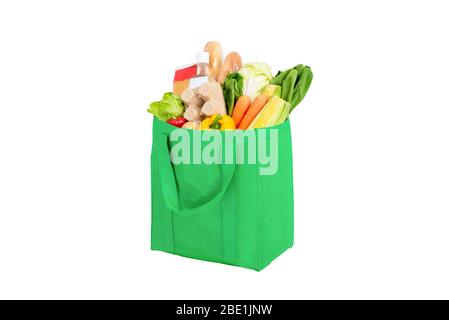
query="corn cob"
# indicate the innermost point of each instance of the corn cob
(274, 112)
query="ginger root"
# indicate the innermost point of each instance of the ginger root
(190, 97)
(194, 125)
(203, 101)
(193, 113)
(212, 94)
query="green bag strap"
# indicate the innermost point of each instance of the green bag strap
(169, 186)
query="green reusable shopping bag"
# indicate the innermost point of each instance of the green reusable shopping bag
(228, 213)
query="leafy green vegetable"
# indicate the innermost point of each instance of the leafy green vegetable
(302, 87)
(280, 77)
(294, 82)
(257, 76)
(232, 90)
(288, 85)
(171, 106)
(300, 69)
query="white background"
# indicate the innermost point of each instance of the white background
(370, 146)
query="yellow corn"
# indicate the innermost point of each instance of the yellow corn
(274, 112)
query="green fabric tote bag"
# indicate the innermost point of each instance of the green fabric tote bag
(230, 212)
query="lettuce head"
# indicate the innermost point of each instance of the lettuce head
(171, 106)
(256, 76)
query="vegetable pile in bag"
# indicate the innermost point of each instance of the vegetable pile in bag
(231, 95)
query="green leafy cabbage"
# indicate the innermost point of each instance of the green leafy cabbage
(256, 76)
(171, 106)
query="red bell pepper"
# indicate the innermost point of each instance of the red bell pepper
(177, 122)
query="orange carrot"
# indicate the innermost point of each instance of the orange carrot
(240, 109)
(252, 112)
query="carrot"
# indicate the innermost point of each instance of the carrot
(252, 112)
(240, 109)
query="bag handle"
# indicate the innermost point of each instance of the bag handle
(169, 186)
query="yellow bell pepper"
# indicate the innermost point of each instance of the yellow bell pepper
(218, 122)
